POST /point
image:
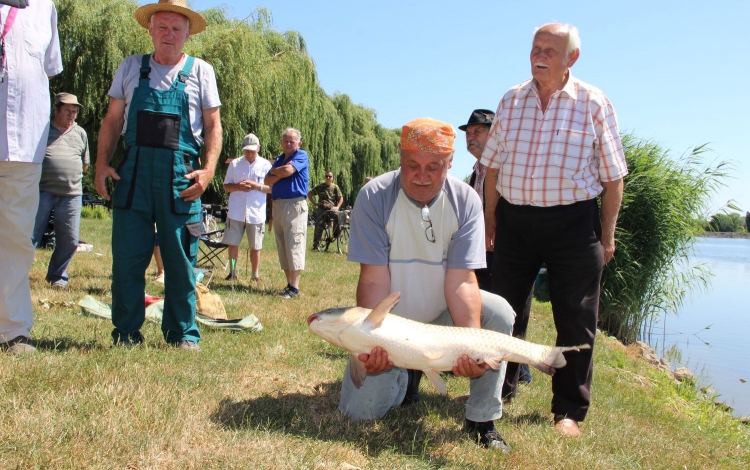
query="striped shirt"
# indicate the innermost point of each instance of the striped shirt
(556, 157)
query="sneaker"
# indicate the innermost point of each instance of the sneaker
(17, 346)
(288, 293)
(59, 285)
(486, 435)
(189, 345)
(231, 276)
(159, 279)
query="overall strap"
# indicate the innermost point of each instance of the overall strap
(145, 71)
(182, 76)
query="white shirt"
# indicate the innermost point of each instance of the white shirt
(32, 49)
(247, 206)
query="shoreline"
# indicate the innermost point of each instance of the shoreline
(745, 235)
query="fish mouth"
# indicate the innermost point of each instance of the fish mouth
(312, 318)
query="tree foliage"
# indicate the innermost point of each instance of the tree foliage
(730, 222)
(662, 202)
(266, 79)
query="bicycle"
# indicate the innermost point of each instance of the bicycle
(337, 229)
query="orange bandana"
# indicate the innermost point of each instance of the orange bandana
(428, 135)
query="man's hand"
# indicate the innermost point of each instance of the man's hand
(100, 180)
(468, 367)
(376, 362)
(202, 178)
(246, 185)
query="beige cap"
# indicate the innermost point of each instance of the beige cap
(67, 98)
(197, 21)
(250, 142)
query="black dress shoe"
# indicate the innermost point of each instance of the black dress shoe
(486, 435)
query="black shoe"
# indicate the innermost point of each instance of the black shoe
(486, 435)
(412, 388)
(231, 276)
(129, 341)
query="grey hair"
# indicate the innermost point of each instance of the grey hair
(291, 129)
(151, 20)
(564, 29)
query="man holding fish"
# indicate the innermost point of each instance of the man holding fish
(421, 232)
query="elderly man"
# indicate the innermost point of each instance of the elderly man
(289, 179)
(167, 105)
(329, 198)
(247, 204)
(60, 188)
(31, 54)
(419, 231)
(553, 148)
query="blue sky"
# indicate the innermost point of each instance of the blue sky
(675, 71)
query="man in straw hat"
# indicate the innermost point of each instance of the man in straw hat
(166, 104)
(430, 259)
(61, 188)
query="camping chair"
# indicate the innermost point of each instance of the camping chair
(211, 246)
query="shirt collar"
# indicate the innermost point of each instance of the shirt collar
(569, 88)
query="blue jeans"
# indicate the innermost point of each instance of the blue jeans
(381, 392)
(67, 223)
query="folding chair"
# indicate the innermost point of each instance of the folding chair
(211, 249)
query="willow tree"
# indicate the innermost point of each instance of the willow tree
(266, 79)
(649, 275)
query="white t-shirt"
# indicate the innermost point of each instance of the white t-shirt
(247, 206)
(200, 86)
(387, 229)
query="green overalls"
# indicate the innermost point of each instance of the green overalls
(160, 150)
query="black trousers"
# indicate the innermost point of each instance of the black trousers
(568, 240)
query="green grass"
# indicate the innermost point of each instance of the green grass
(269, 399)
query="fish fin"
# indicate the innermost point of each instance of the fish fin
(356, 370)
(555, 358)
(492, 362)
(376, 316)
(436, 380)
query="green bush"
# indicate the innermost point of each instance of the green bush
(94, 212)
(662, 205)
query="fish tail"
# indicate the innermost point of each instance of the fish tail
(556, 360)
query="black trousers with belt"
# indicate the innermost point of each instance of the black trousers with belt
(568, 240)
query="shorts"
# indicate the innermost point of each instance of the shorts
(235, 229)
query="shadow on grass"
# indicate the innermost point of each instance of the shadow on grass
(261, 288)
(417, 430)
(68, 344)
(534, 419)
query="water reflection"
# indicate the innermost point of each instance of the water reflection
(710, 333)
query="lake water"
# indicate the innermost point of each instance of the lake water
(711, 331)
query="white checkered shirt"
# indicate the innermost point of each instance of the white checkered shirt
(557, 157)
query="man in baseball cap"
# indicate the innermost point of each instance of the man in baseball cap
(247, 204)
(420, 231)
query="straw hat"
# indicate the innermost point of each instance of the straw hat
(197, 22)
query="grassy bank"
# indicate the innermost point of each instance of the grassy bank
(268, 400)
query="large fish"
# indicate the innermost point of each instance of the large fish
(421, 346)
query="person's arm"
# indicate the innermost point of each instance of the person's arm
(611, 202)
(465, 306)
(109, 133)
(212, 144)
(374, 285)
(340, 203)
(491, 198)
(311, 197)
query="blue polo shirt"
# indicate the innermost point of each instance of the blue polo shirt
(295, 185)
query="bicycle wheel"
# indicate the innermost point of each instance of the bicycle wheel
(342, 242)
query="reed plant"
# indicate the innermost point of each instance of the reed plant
(269, 400)
(663, 202)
